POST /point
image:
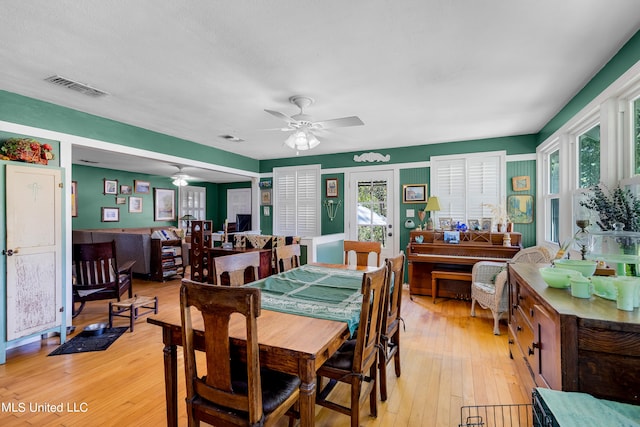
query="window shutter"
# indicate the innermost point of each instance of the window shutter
(483, 186)
(449, 186)
(296, 201)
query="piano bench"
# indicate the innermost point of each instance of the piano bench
(451, 275)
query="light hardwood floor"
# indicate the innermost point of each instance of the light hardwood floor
(448, 360)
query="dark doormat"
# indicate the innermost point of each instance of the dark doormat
(85, 341)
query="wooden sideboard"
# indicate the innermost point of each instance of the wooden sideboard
(571, 344)
(434, 254)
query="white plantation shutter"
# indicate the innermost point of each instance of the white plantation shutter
(296, 201)
(465, 183)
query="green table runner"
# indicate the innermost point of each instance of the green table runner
(315, 291)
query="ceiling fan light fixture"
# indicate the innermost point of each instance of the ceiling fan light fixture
(302, 140)
(180, 180)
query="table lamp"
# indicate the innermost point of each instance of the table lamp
(187, 221)
(433, 204)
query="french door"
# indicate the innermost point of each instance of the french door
(370, 209)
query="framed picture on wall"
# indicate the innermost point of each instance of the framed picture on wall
(414, 193)
(125, 189)
(265, 197)
(110, 214)
(74, 198)
(520, 209)
(332, 187)
(520, 183)
(164, 204)
(143, 187)
(121, 200)
(110, 186)
(135, 204)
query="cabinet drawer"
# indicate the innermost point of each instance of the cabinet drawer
(523, 333)
(526, 302)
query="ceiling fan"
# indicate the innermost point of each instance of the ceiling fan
(303, 127)
(180, 178)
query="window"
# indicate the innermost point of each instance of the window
(465, 184)
(636, 134)
(553, 196)
(296, 201)
(589, 158)
(193, 201)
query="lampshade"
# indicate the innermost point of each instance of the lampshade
(180, 180)
(302, 139)
(433, 204)
(187, 217)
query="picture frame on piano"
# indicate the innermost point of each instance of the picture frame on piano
(445, 223)
(486, 224)
(474, 225)
(452, 237)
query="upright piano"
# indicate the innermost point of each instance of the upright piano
(434, 254)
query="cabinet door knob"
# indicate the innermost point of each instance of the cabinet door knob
(530, 351)
(531, 312)
(519, 328)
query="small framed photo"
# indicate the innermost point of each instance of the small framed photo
(486, 224)
(121, 200)
(110, 214)
(474, 224)
(164, 204)
(414, 193)
(265, 197)
(125, 189)
(445, 223)
(110, 186)
(332, 187)
(142, 187)
(74, 198)
(452, 237)
(520, 183)
(135, 204)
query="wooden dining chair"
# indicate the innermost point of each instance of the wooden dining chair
(97, 275)
(390, 335)
(230, 392)
(287, 257)
(236, 269)
(362, 251)
(356, 361)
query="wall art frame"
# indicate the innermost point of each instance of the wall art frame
(331, 187)
(520, 208)
(164, 204)
(135, 204)
(110, 186)
(521, 183)
(414, 193)
(74, 198)
(141, 187)
(110, 214)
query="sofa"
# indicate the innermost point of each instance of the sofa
(131, 244)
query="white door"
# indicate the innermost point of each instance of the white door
(371, 209)
(238, 202)
(34, 250)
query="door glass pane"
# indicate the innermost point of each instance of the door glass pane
(372, 211)
(589, 158)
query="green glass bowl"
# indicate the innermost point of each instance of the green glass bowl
(585, 266)
(557, 277)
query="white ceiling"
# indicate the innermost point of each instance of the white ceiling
(415, 71)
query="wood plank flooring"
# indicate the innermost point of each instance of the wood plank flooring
(449, 359)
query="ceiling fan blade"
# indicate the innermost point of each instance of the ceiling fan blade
(282, 116)
(338, 123)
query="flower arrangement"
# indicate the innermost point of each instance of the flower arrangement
(614, 207)
(26, 150)
(499, 213)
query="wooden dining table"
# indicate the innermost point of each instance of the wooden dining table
(290, 343)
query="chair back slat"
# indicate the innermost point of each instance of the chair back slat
(95, 264)
(239, 268)
(287, 257)
(362, 251)
(395, 279)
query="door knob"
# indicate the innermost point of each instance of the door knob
(9, 252)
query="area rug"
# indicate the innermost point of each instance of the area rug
(84, 342)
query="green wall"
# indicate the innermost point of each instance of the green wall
(31, 112)
(337, 225)
(524, 168)
(91, 199)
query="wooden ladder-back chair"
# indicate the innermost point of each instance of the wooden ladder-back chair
(356, 361)
(362, 250)
(390, 335)
(287, 257)
(230, 392)
(236, 269)
(489, 286)
(97, 274)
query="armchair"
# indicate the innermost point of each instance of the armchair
(489, 282)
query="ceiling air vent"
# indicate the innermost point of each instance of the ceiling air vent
(77, 86)
(231, 138)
